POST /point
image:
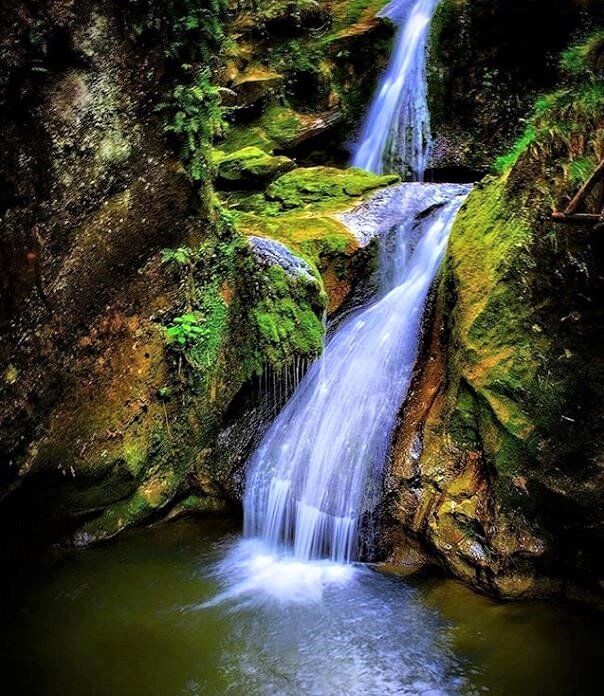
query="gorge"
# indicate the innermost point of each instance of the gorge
(297, 260)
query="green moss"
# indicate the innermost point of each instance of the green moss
(299, 209)
(462, 423)
(508, 160)
(278, 127)
(317, 185)
(585, 60)
(250, 166)
(287, 323)
(346, 13)
(156, 493)
(499, 352)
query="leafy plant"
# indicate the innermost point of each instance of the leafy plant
(192, 36)
(197, 118)
(183, 257)
(185, 330)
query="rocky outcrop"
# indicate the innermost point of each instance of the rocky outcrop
(488, 62)
(497, 470)
(251, 167)
(305, 210)
(91, 193)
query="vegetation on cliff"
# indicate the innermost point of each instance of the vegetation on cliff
(510, 493)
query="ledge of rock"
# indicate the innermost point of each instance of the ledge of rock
(255, 84)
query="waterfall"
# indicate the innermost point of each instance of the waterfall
(318, 472)
(318, 468)
(396, 132)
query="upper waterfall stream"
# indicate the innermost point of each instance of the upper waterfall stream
(396, 132)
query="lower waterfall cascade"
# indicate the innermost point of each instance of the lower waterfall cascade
(318, 469)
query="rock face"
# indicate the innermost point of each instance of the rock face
(488, 61)
(133, 313)
(497, 470)
(91, 193)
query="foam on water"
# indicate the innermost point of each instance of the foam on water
(253, 574)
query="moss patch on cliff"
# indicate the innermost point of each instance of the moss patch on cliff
(299, 209)
(250, 166)
(561, 120)
(325, 187)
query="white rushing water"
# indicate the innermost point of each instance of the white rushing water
(396, 132)
(318, 469)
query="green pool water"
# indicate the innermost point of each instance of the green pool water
(140, 616)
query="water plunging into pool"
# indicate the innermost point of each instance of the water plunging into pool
(317, 470)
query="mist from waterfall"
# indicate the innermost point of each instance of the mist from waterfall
(396, 133)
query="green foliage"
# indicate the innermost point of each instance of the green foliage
(507, 161)
(192, 35)
(182, 256)
(205, 348)
(185, 330)
(197, 118)
(188, 30)
(585, 60)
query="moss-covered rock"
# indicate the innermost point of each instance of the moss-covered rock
(300, 209)
(506, 491)
(250, 166)
(279, 128)
(328, 54)
(324, 185)
(254, 84)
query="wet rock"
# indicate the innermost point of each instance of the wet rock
(269, 252)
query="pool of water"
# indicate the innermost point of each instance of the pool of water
(190, 608)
